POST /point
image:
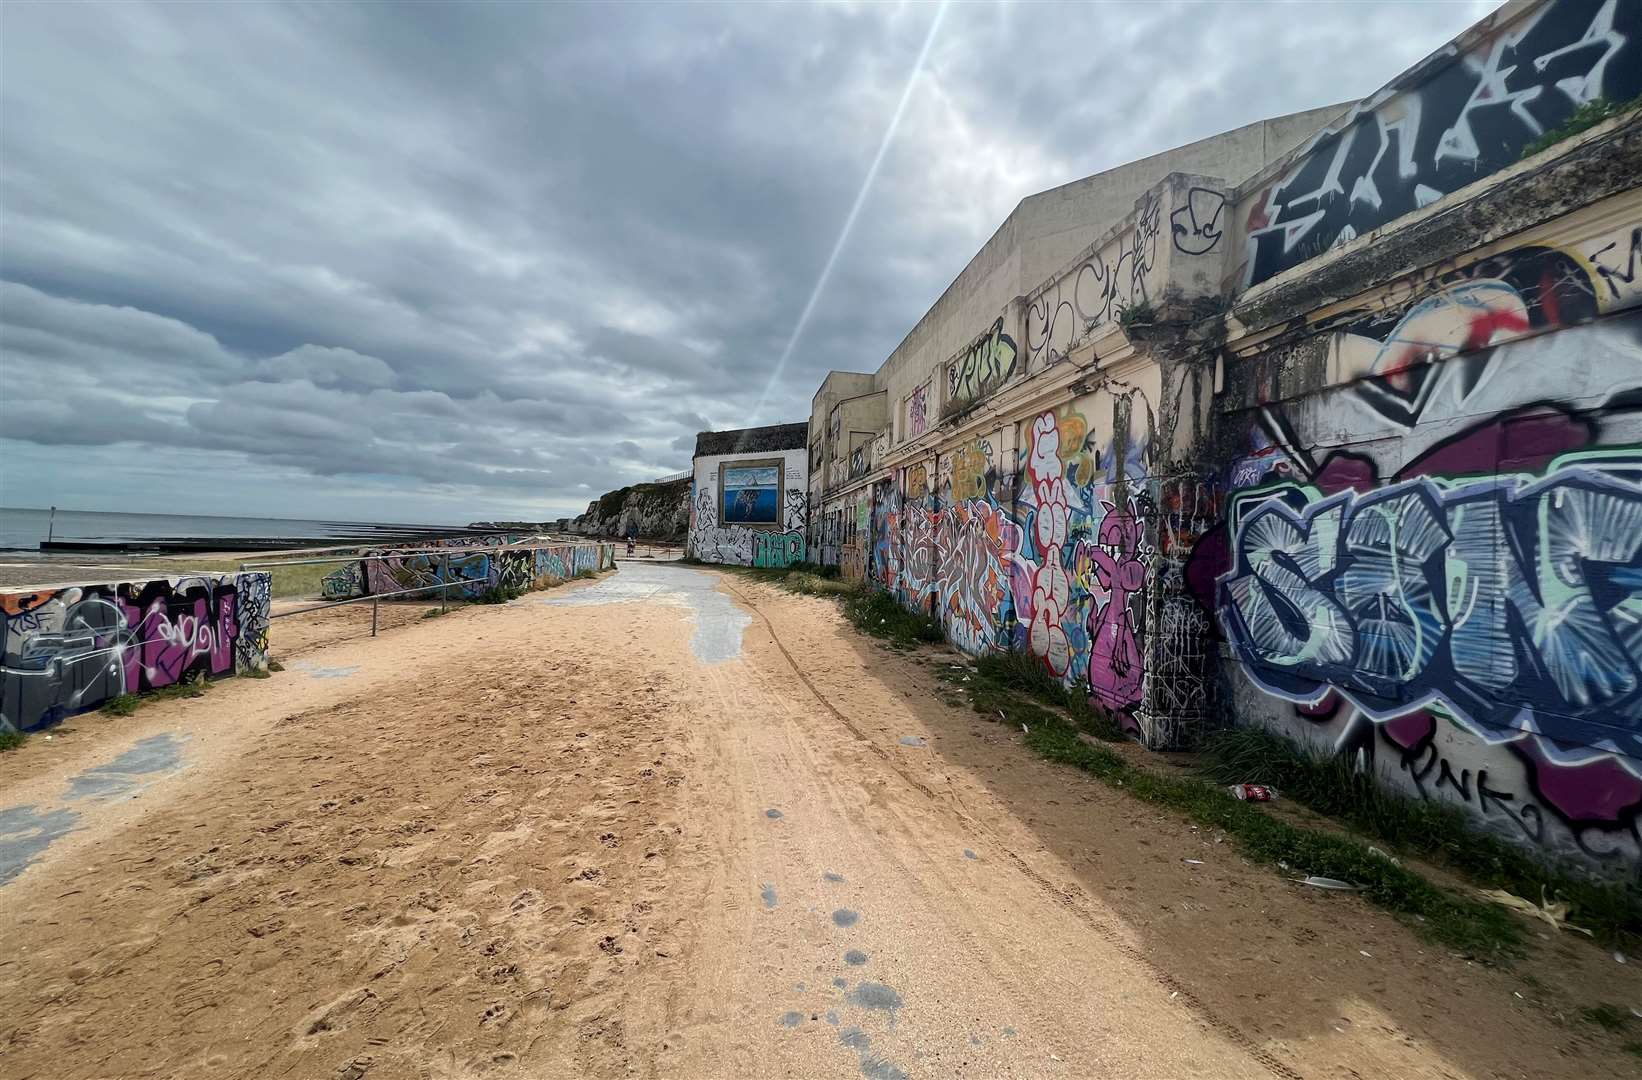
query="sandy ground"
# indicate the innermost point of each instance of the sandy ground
(624, 836)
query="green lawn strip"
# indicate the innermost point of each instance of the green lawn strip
(1330, 785)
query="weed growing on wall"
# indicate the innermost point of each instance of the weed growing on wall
(1330, 785)
(1584, 118)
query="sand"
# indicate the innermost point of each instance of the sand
(589, 839)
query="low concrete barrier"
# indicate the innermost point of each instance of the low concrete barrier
(70, 648)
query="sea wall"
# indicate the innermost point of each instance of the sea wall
(71, 648)
(470, 572)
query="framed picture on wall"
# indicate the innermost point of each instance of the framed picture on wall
(749, 492)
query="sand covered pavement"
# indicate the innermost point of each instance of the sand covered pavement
(666, 823)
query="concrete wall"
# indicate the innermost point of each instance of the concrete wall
(716, 537)
(71, 648)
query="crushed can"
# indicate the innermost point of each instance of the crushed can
(1254, 792)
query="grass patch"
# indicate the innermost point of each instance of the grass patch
(1478, 930)
(11, 740)
(1609, 1017)
(875, 612)
(275, 666)
(258, 673)
(186, 688)
(1584, 118)
(1328, 784)
(126, 704)
(1021, 672)
(503, 596)
(286, 582)
(582, 575)
(123, 705)
(1633, 1048)
(434, 613)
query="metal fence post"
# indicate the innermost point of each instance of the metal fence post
(376, 604)
(444, 582)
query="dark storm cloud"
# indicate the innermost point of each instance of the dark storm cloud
(488, 260)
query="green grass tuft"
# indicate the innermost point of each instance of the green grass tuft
(123, 705)
(1584, 118)
(275, 666)
(11, 740)
(1331, 785)
(875, 612)
(1610, 1017)
(1023, 672)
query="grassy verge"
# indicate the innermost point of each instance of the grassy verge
(1477, 930)
(1004, 687)
(287, 582)
(11, 740)
(1328, 784)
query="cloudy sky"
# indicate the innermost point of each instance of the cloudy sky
(417, 262)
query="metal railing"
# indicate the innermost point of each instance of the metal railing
(443, 585)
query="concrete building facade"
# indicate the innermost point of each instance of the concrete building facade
(748, 505)
(1332, 425)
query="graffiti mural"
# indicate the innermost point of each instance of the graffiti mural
(1115, 662)
(1458, 608)
(781, 542)
(984, 366)
(1462, 120)
(69, 650)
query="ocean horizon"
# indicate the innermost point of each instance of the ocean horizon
(23, 528)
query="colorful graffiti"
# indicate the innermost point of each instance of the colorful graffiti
(69, 650)
(1463, 119)
(972, 579)
(1464, 598)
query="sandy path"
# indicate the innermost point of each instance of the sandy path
(626, 838)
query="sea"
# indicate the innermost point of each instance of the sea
(23, 528)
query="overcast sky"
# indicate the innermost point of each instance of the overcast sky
(425, 263)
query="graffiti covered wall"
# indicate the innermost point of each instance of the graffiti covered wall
(1053, 536)
(750, 509)
(70, 649)
(1432, 562)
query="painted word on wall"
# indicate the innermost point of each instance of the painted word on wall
(985, 365)
(1513, 601)
(1469, 117)
(72, 649)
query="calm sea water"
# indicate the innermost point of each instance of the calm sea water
(24, 528)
